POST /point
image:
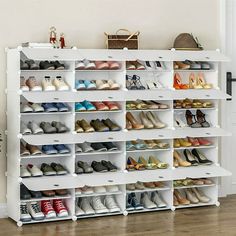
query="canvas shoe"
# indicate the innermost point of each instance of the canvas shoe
(46, 65)
(25, 108)
(59, 208)
(147, 203)
(36, 107)
(60, 127)
(61, 148)
(59, 168)
(34, 210)
(24, 129)
(79, 211)
(133, 201)
(47, 170)
(23, 150)
(98, 206)
(34, 150)
(62, 107)
(85, 166)
(24, 173)
(86, 147)
(35, 194)
(99, 189)
(157, 199)
(24, 193)
(35, 128)
(34, 170)
(111, 204)
(49, 150)
(24, 213)
(33, 85)
(48, 128)
(58, 65)
(79, 85)
(112, 188)
(60, 84)
(49, 107)
(47, 84)
(47, 209)
(86, 207)
(23, 85)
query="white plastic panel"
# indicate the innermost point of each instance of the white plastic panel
(199, 94)
(199, 132)
(49, 183)
(74, 96)
(199, 172)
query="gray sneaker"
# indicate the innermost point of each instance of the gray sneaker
(34, 127)
(47, 128)
(61, 128)
(24, 129)
(85, 166)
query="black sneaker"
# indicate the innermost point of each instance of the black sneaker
(46, 65)
(59, 168)
(24, 192)
(58, 65)
(36, 194)
(99, 167)
(99, 147)
(110, 146)
(47, 170)
(109, 166)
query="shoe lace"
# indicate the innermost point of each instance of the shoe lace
(35, 207)
(47, 205)
(23, 209)
(59, 204)
(98, 202)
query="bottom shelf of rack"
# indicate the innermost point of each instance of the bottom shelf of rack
(48, 220)
(196, 205)
(99, 215)
(149, 210)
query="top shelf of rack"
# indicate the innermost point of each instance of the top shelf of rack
(121, 55)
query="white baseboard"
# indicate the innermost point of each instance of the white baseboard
(3, 210)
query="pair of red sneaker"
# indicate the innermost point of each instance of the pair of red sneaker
(54, 209)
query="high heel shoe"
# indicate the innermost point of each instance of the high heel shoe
(137, 83)
(193, 82)
(201, 119)
(135, 124)
(128, 125)
(190, 158)
(177, 82)
(145, 121)
(191, 196)
(200, 195)
(200, 157)
(154, 161)
(180, 161)
(178, 121)
(201, 81)
(146, 164)
(180, 198)
(189, 118)
(155, 120)
(131, 163)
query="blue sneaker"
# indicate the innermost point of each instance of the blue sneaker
(49, 107)
(61, 107)
(61, 148)
(89, 84)
(88, 105)
(79, 85)
(79, 107)
(49, 149)
(133, 201)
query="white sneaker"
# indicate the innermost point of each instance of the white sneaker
(24, 213)
(98, 206)
(35, 128)
(86, 207)
(34, 170)
(23, 85)
(89, 65)
(79, 211)
(99, 189)
(24, 108)
(47, 84)
(156, 198)
(86, 147)
(24, 129)
(147, 203)
(80, 65)
(24, 172)
(60, 84)
(112, 188)
(35, 211)
(37, 107)
(111, 204)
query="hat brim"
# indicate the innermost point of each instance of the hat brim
(189, 49)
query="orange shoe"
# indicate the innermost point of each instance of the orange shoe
(178, 82)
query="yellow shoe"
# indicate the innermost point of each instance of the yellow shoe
(176, 143)
(158, 163)
(184, 142)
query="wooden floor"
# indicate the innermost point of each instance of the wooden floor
(196, 221)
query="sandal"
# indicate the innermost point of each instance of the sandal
(177, 104)
(130, 105)
(129, 82)
(139, 144)
(140, 105)
(201, 81)
(138, 166)
(197, 104)
(137, 83)
(130, 146)
(146, 164)
(154, 161)
(201, 119)
(187, 103)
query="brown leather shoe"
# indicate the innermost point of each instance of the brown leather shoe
(133, 121)
(48, 193)
(34, 150)
(149, 185)
(23, 150)
(85, 126)
(61, 192)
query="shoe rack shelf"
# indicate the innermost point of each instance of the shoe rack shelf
(71, 181)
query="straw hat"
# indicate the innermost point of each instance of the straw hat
(186, 41)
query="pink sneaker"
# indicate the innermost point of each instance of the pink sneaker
(101, 65)
(113, 65)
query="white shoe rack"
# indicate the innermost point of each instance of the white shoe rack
(71, 181)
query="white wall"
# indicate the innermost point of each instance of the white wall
(84, 21)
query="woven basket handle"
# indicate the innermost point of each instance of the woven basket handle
(127, 31)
